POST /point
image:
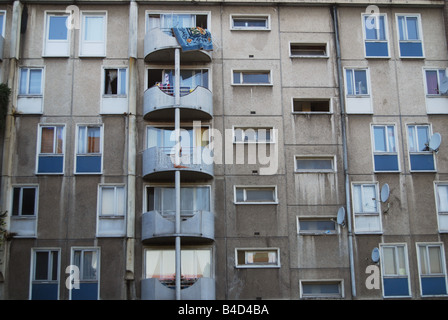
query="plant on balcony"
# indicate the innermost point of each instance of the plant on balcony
(5, 93)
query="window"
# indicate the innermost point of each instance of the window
(45, 274)
(442, 206)
(166, 21)
(410, 36)
(366, 208)
(357, 83)
(89, 149)
(24, 211)
(305, 50)
(51, 149)
(189, 80)
(316, 226)
(251, 78)
(321, 289)
(87, 260)
(255, 195)
(2, 23)
(93, 34)
(253, 135)
(420, 156)
(30, 81)
(115, 81)
(57, 35)
(385, 154)
(250, 22)
(432, 269)
(315, 164)
(436, 82)
(375, 36)
(311, 106)
(111, 211)
(257, 258)
(395, 271)
(196, 263)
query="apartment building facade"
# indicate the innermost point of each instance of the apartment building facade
(296, 153)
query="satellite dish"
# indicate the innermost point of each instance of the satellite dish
(375, 255)
(341, 216)
(434, 141)
(385, 191)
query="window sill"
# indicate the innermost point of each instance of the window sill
(258, 266)
(309, 57)
(256, 203)
(252, 85)
(250, 29)
(316, 233)
(315, 171)
(311, 113)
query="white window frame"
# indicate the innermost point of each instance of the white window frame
(46, 40)
(406, 261)
(36, 200)
(317, 232)
(39, 145)
(42, 81)
(101, 153)
(164, 12)
(98, 268)
(3, 12)
(115, 215)
(354, 95)
(437, 70)
(83, 43)
(330, 105)
(429, 126)
(266, 17)
(311, 56)
(387, 152)
(33, 268)
(378, 212)
(339, 282)
(255, 131)
(386, 34)
(254, 187)
(419, 30)
(332, 158)
(247, 265)
(119, 81)
(440, 214)
(249, 84)
(442, 260)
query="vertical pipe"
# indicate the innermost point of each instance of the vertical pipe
(177, 172)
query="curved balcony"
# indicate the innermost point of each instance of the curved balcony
(195, 164)
(159, 46)
(197, 228)
(159, 104)
(201, 289)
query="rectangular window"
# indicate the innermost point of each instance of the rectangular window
(395, 273)
(305, 50)
(432, 269)
(93, 34)
(384, 148)
(311, 106)
(255, 195)
(258, 258)
(57, 42)
(357, 82)
(315, 164)
(321, 289)
(436, 82)
(51, 149)
(89, 149)
(2, 23)
(115, 81)
(30, 81)
(87, 260)
(167, 21)
(250, 22)
(316, 226)
(251, 78)
(375, 36)
(189, 79)
(421, 157)
(111, 211)
(366, 208)
(442, 206)
(24, 202)
(410, 36)
(253, 135)
(45, 274)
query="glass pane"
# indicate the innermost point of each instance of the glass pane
(111, 81)
(349, 79)
(121, 201)
(107, 200)
(412, 28)
(435, 261)
(41, 265)
(382, 29)
(60, 140)
(16, 201)
(314, 164)
(389, 263)
(150, 199)
(401, 261)
(28, 201)
(122, 82)
(35, 81)
(82, 139)
(432, 84)
(47, 140)
(357, 199)
(423, 138)
(167, 201)
(23, 81)
(54, 271)
(391, 138)
(237, 77)
(401, 27)
(153, 262)
(375, 29)
(423, 260)
(369, 198)
(255, 77)
(360, 82)
(411, 138)
(317, 225)
(2, 18)
(380, 139)
(259, 195)
(89, 265)
(58, 28)
(239, 195)
(94, 28)
(442, 198)
(93, 140)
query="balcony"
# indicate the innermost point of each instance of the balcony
(158, 289)
(160, 44)
(159, 104)
(195, 164)
(197, 227)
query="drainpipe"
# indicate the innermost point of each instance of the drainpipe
(334, 13)
(177, 172)
(9, 138)
(132, 149)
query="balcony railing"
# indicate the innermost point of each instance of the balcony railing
(195, 104)
(192, 289)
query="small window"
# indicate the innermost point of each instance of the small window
(410, 36)
(314, 164)
(250, 23)
(256, 195)
(375, 36)
(316, 226)
(366, 208)
(45, 274)
(436, 82)
(176, 20)
(385, 151)
(311, 106)
(321, 289)
(432, 269)
(89, 149)
(24, 201)
(88, 262)
(420, 156)
(57, 43)
(2, 23)
(302, 50)
(30, 81)
(251, 78)
(395, 274)
(257, 258)
(442, 206)
(253, 135)
(115, 81)
(93, 34)
(111, 211)
(357, 82)
(51, 149)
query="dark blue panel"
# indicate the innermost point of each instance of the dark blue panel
(386, 162)
(411, 49)
(395, 287)
(377, 49)
(50, 164)
(44, 291)
(433, 286)
(88, 164)
(86, 291)
(422, 162)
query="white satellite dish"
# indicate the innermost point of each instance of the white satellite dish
(385, 192)
(375, 255)
(434, 141)
(341, 216)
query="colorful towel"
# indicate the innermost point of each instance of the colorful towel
(193, 38)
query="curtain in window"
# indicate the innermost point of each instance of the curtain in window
(111, 79)
(442, 197)
(87, 263)
(89, 140)
(107, 201)
(47, 140)
(431, 82)
(93, 28)
(177, 21)
(391, 138)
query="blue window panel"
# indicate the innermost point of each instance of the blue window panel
(377, 49)
(396, 287)
(386, 162)
(86, 291)
(411, 49)
(424, 162)
(44, 291)
(433, 286)
(50, 164)
(88, 164)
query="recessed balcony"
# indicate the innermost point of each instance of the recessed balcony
(195, 104)
(164, 289)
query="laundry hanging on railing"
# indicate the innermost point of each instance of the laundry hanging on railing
(193, 38)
